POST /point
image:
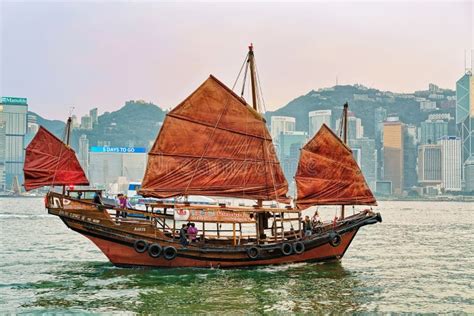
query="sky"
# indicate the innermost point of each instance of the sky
(89, 54)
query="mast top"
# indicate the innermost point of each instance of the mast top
(251, 47)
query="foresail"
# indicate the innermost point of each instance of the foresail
(327, 174)
(49, 161)
(214, 144)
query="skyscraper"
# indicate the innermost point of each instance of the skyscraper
(364, 151)
(451, 163)
(429, 164)
(289, 152)
(317, 119)
(280, 124)
(354, 127)
(410, 178)
(86, 122)
(83, 154)
(465, 118)
(13, 112)
(431, 131)
(393, 153)
(93, 115)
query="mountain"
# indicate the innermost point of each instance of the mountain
(136, 124)
(362, 102)
(54, 126)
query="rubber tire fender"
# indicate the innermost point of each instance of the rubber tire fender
(335, 239)
(298, 247)
(170, 253)
(140, 245)
(155, 250)
(286, 249)
(253, 252)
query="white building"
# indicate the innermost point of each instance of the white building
(355, 130)
(451, 163)
(317, 119)
(281, 124)
(108, 164)
(427, 105)
(86, 122)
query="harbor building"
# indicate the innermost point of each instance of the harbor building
(365, 154)
(93, 113)
(83, 154)
(109, 164)
(429, 165)
(451, 163)
(289, 152)
(355, 129)
(432, 130)
(317, 119)
(281, 124)
(393, 153)
(13, 115)
(410, 179)
(465, 121)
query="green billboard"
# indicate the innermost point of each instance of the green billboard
(14, 100)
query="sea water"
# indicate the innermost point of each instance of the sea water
(420, 259)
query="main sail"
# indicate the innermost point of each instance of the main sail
(327, 174)
(214, 144)
(49, 161)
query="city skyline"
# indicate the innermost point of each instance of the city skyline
(152, 53)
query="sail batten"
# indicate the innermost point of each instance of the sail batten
(214, 144)
(327, 174)
(49, 161)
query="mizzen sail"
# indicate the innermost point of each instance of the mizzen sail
(327, 174)
(49, 162)
(214, 144)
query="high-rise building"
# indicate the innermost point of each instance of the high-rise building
(94, 118)
(393, 153)
(289, 151)
(410, 178)
(429, 165)
(317, 119)
(365, 154)
(86, 122)
(281, 124)
(74, 122)
(13, 112)
(2, 151)
(83, 154)
(451, 163)
(431, 131)
(354, 127)
(107, 164)
(465, 119)
(469, 175)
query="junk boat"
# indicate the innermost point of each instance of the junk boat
(212, 144)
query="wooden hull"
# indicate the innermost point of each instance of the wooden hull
(123, 255)
(117, 240)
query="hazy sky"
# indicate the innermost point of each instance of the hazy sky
(100, 54)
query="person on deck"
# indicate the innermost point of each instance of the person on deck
(316, 218)
(98, 197)
(192, 232)
(307, 226)
(183, 235)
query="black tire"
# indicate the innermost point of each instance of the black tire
(170, 253)
(335, 239)
(298, 247)
(140, 246)
(286, 249)
(155, 250)
(253, 252)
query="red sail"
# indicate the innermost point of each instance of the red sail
(328, 174)
(49, 162)
(214, 144)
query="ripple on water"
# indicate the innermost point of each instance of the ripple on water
(417, 260)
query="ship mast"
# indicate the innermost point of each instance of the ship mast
(67, 139)
(260, 218)
(344, 139)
